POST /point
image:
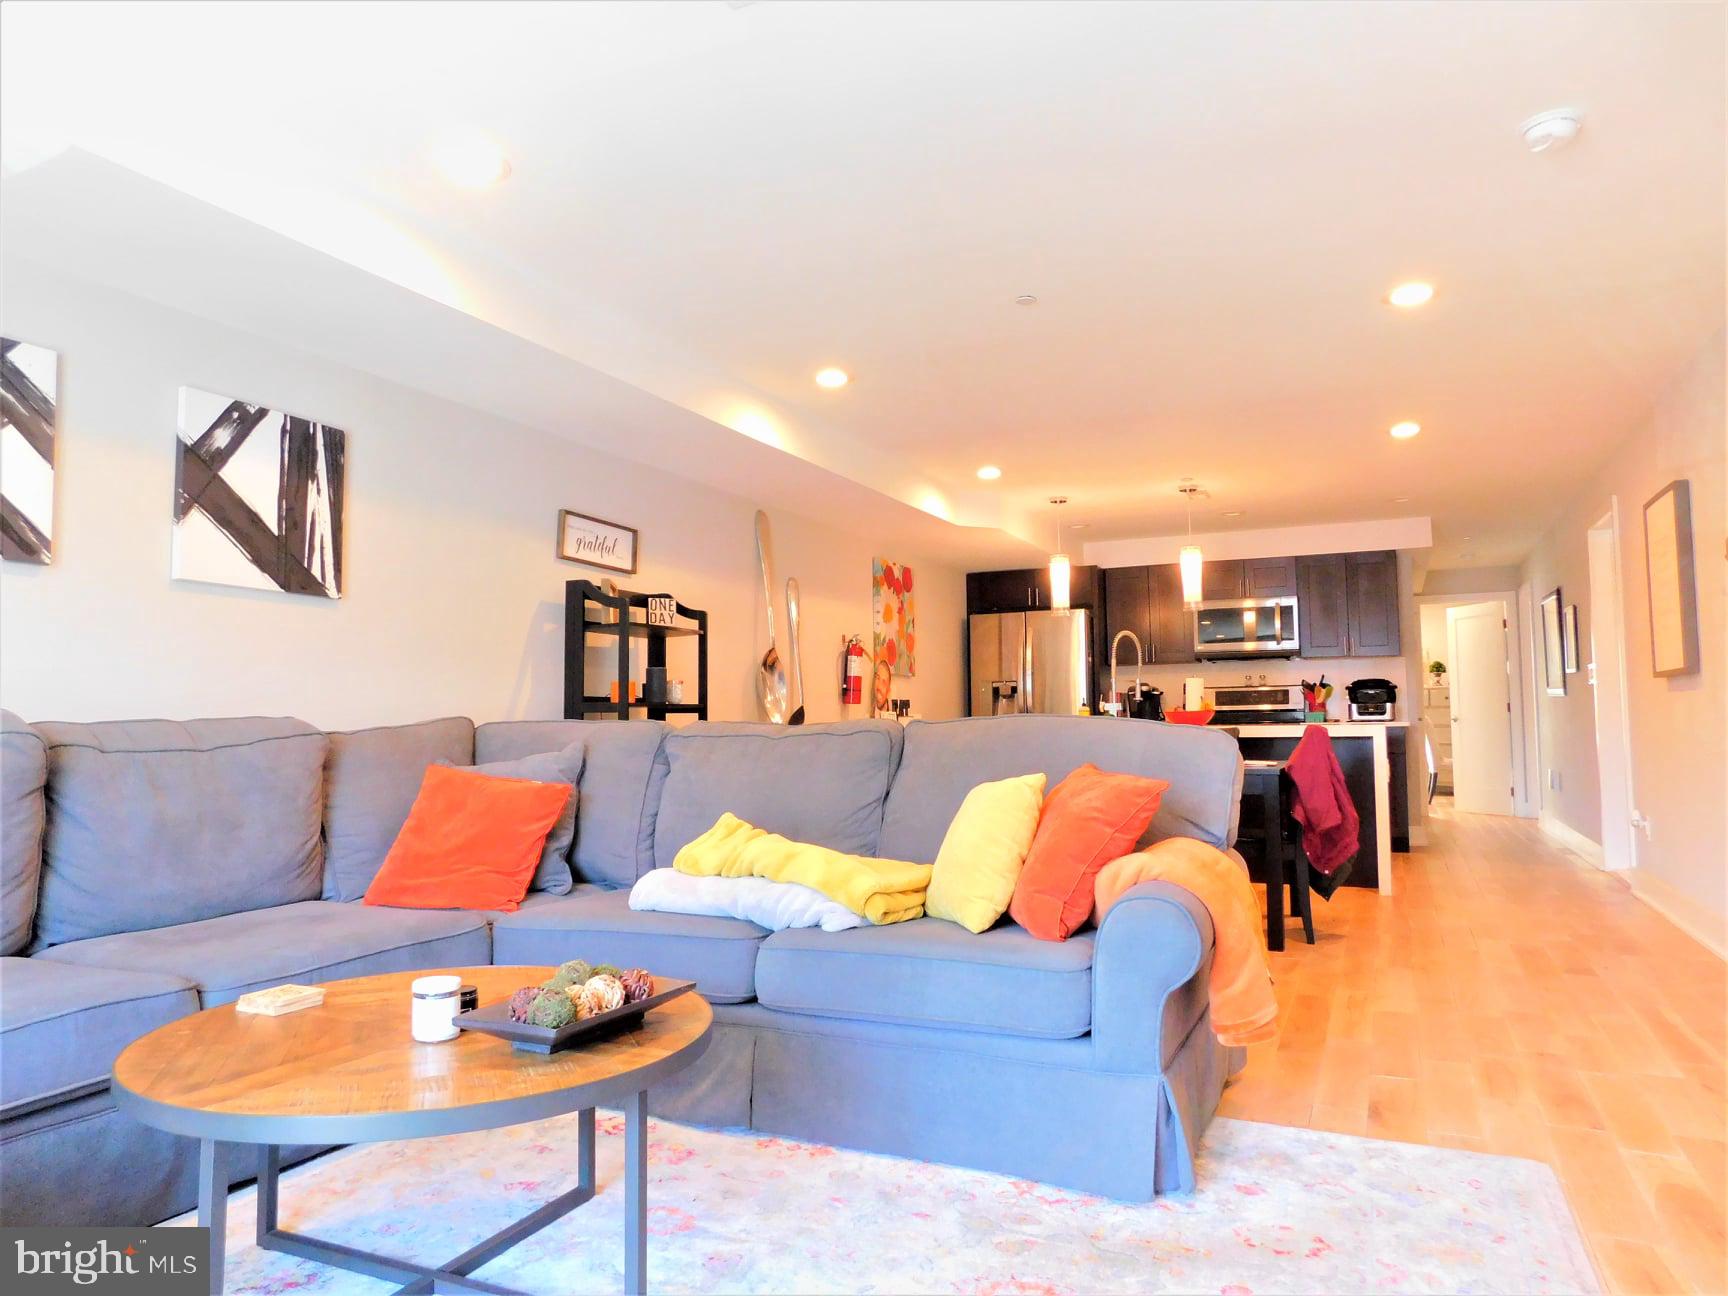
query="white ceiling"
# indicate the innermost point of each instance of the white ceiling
(1209, 200)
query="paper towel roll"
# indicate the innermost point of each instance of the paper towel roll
(1193, 693)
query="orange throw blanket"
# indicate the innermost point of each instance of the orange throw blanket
(1244, 1010)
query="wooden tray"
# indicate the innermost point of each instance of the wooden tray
(494, 1019)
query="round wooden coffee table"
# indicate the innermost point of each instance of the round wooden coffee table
(348, 1071)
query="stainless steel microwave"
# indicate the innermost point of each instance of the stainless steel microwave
(1259, 627)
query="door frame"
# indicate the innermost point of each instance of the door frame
(1519, 683)
(1613, 749)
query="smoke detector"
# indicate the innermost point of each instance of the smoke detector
(1551, 130)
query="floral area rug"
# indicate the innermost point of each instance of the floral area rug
(1278, 1210)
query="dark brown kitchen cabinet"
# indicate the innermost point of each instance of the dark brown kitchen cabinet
(1221, 579)
(1172, 629)
(1126, 607)
(1148, 601)
(1323, 605)
(1373, 587)
(1348, 604)
(1268, 577)
(1027, 589)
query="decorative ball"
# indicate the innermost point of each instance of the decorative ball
(604, 969)
(558, 981)
(577, 970)
(521, 1001)
(601, 994)
(552, 1009)
(638, 985)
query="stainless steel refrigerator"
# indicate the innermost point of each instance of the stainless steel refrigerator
(1030, 662)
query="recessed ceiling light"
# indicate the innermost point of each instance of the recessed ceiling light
(1551, 130)
(1405, 430)
(1411, 295)
(469, 158)
(989, 472)
(1232, 512)
(832, 378)
(1025, 299)
(1400, 499)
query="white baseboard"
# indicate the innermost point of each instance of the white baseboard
(1573, 840)
(1673, 905)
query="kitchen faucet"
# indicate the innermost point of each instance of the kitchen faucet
(1139, 660)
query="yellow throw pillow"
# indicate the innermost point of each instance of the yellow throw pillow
(983, 850)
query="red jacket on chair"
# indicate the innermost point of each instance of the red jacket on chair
(1323, 807)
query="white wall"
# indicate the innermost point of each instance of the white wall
(453, 602)
(1679, 725)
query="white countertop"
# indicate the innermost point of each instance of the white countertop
(1337, 728)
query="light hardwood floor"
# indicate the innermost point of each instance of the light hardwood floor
(1512, 999)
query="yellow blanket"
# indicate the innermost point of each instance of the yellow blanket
(884, 891)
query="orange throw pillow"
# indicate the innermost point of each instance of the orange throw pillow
(472, 841)
(1090, 818)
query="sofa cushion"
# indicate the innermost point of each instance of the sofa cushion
(23, 775)
(371, 778)
(592, 923)
(552, 873)
(930, 972)
(614, 821)
(62, 1026)
(152, 823)
(823, 784)
(945, 759)
(316, 940)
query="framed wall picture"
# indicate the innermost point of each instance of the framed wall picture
(595, 542)
(1553, 651)
(29, 391)
(1673, 583)
(258, 497)
(1569, 639)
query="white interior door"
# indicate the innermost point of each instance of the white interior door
(1481, 708)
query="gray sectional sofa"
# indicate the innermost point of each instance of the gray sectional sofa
(154, 867)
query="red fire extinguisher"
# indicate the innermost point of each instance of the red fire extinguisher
(852, 683)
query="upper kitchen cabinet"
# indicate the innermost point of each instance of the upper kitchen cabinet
(1027, 589)
(1373, 588)
(1221, 579)
(1323, 605)
(1348, 604)
(1172, 638)
(1148, 601)
(1268, 577)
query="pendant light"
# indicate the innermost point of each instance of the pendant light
(1060, 571)
(1189, 559)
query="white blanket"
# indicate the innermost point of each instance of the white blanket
(774, 905)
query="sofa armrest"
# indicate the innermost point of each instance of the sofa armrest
(1150, 962)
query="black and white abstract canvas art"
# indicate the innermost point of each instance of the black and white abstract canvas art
(29, 390)
(257, 497)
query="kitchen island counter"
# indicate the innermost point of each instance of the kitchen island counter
(1380, 809)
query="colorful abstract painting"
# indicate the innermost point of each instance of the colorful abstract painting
(894, 624)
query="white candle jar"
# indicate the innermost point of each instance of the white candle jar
(433, 1016)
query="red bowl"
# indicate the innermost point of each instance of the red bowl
(1190, 717)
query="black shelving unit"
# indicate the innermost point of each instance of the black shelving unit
(585, 614)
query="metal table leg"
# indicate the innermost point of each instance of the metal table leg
(454, 1275)
(636, 1193)
(213, 1204)
(1272, 830)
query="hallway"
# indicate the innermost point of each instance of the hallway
(1511, 999)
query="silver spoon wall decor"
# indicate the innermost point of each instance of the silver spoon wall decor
(797, 717)
(771, 690)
